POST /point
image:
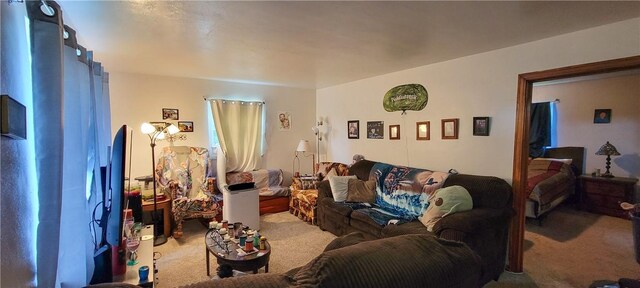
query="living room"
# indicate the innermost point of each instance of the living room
(462, 86)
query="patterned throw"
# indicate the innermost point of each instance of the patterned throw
(547, 180)
(405, 191)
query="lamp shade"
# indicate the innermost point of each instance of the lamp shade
(147, 128)
(172, 129)
(303, 146)
(608, 149)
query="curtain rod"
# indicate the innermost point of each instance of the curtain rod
(207, 99)
(552, 101)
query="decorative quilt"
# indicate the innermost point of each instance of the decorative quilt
(405, 191)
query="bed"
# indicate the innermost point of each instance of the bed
(274, 197)
(551, 179)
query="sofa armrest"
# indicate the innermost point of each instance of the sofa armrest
(474, 220)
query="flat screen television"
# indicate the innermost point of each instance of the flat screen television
(109, 258)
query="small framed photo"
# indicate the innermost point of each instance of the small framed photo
(423, 130)
(185, 126)
(353, 129)
(284, 119)
(601, 116)
(450, 128)
(170, 113)
(375, 129)
(394, 132)
(481, 126)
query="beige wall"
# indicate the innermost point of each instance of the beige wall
(137, 98)
(575, 125)
(479, 85)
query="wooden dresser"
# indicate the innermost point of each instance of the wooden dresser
(603, 195)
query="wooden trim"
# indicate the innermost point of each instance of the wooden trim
(521, 147)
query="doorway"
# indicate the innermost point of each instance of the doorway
(521, 142)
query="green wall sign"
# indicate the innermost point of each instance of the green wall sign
(405, 97)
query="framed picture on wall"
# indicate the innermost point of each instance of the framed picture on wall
(450, 128)
(481, 126)
(284, 121)
(375, 129)
(353, 129)
(602, 116)
(423, 130)
(394, 132)
(185, 126)
(170, 113)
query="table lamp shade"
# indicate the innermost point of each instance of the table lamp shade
(608, 149)
(303, 146)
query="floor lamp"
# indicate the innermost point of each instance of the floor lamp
(157, 133)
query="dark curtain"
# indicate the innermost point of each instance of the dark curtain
(539, 129)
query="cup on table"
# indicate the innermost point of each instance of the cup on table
(248, 245)
(143, 272)
(243, 239)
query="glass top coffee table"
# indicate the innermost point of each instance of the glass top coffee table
(251, 262)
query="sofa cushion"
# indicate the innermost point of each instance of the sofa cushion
(444, 202)
(340, 187)
(361, 169)
(413, 227)
(403, 261)
(344, 241)
(362, 222)
(335, 208)
(361, 191)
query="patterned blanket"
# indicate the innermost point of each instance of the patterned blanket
(548, 180)
(267, 181)
(405, 191)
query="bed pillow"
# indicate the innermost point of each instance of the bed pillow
(361, 191)
(340, 187)
(444, 202)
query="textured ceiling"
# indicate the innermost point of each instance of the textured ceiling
(315, 44)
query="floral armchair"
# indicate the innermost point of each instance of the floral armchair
(181, 173)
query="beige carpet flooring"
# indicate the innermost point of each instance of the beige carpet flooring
(571, 249)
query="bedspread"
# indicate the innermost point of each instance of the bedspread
(548, 180)
(267, 181)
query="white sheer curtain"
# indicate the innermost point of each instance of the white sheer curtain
(239, 128)
(72, 136)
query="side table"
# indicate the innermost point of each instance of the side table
(603, 195)
(145, 258)
(165, 205)
(251, 262)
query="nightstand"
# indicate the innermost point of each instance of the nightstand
(603, 195)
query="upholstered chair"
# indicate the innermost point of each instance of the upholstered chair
(181, 173)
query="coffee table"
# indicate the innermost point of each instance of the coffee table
(251, 262)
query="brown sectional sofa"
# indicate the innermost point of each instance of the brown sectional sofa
(484, 228)
(352, 261)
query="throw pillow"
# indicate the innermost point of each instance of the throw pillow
(340, 187)
(444, 202)
(361, 191)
